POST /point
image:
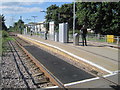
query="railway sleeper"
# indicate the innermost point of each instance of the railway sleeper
(31, 63)
(28, 60)
(38, 74)
(94, 72)
(36, 68)
(39, 80)
(36, 71)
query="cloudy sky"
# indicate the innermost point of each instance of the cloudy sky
(13, 9)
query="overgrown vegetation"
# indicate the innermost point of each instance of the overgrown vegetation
(5, 39)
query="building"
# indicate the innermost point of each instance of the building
(35, 27)
(40, 27)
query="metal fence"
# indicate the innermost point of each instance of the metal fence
(90, 37)
(103, 38)
(97, 38)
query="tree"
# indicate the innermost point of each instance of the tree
(51, 15)
(18, 26)
(21, 25)
(60, 15)
(102, 17)
(66, 14)
(2, 23)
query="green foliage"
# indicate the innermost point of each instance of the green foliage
(17, 27)
(5, 34)
(2, 23)
(60, 15)
(52, 15)
(102, 17)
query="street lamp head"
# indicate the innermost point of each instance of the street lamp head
(34, 16)
(42, 11)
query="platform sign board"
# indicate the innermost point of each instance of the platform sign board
(110, 38)
(63, 30)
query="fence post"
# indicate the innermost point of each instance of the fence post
(105, 38)
(117, 39)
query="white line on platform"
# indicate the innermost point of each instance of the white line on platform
(118, 71)
(82, 59)
(83, 81)
(87, 80)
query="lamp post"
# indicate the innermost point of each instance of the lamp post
(46, 32)
(34, 21)
(74, 16)
(27, 25)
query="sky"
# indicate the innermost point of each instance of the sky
(13, 10)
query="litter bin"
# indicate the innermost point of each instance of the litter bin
(76, 39)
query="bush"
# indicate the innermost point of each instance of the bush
(4, 34)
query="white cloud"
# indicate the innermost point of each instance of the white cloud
(18, 9)
(38, 0)
(19, 3)
(22, 0)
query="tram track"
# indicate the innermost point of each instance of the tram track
(38, 65)
(32, 77)
(18, 67)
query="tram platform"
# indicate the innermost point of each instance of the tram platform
(98, 55)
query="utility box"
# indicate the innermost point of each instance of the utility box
(76, 39)
(63, 32)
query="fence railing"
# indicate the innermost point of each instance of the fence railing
(90, 37)
(104, 38)
(98, 38)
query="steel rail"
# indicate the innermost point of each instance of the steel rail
(17, 65)
(26, 69)
(47, 73)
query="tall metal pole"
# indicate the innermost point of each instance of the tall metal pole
(34, 21)
(74, 16)
(27, 24)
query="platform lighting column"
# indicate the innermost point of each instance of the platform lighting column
(34, 21)
(27, 24)
(74, 16)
